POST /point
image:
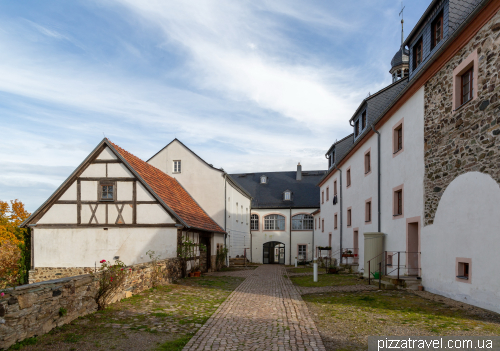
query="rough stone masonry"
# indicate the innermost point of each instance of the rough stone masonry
(468, 139)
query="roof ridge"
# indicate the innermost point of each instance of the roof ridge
(179, 201)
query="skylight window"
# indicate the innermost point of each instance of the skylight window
(287, 195)
(263, 180)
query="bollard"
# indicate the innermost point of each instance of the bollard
(315, 269)
(295, 262)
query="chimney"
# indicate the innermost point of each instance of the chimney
(299, 172)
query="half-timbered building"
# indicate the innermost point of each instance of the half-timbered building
(116, 206)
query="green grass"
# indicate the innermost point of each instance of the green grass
(301, 270)
(175, 345)
(398, 308)
(72, 338)
(328, 280)
(26, 342)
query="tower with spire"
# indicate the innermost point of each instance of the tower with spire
(400, 64)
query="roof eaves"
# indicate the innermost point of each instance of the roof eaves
(180, 142)
(374, 95)
(337, 142)
(34, 214)
(422, 19)
(145, 184)
(238, 186)
(426, 65)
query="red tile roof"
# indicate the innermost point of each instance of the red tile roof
(171, 192)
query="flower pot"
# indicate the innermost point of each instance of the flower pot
(420, 288)
(191, 274)
(197, 274)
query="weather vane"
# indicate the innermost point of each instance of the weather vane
(401, 13)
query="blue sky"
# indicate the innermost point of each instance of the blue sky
(248, 85)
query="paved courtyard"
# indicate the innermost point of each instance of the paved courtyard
(265, 312)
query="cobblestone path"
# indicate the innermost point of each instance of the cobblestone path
(265, 312)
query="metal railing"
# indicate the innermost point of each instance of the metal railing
(398, 263)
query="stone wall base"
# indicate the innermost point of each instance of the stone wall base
(41, 274)
(33, 309)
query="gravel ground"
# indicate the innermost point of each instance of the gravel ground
(156, 319)
(345, 320)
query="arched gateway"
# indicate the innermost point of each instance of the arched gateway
(274, 252)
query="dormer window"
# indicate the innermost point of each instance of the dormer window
(437, 30)
(263, 180)
(287, 195)
(363, 120)
(331, 159)
(417, 53)
(356, 128)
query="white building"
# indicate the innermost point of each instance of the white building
(116, 206)
(210, 187)
(281, 220)
(418, 187)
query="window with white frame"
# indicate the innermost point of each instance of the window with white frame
(254, 222)
(177, 166)
(302, 252)
(287, 195)
(274, 222)
(263, 180)
(302, 222)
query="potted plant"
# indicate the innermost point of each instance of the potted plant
(196, 271)
(332, 268)
(347, 253)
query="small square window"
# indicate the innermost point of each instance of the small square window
(107, 192)
(463, 270)
(177, 166)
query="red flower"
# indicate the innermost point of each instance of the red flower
(102, 261)
(122, 269)
(130, 269)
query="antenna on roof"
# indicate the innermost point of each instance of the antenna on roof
(402, 22)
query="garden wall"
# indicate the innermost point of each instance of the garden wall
(35, 309)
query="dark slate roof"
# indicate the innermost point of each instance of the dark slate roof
(400, 58)
(459, 10)
(379, 101)
(305, 193)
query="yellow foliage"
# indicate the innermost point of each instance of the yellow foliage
(11, 239)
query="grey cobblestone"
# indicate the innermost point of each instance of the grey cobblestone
(265, 312)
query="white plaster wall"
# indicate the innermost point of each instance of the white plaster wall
(152, 213)
(298, 237)
(466, 225)
(406, 168)
(95, 170)
(124, 191)
(87, 246)
(143, 194)
(203, 183)
(217, 239)
(100, 214)
(89, 190)
(60, 214)
(69, 194)
(106, 154)
(119, 170)
(237, 222)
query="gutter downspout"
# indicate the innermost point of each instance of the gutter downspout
(378, 178)
(225, 216)
(341, 214)
(290, 228)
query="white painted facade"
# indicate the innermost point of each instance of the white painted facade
(219, 197)
(406, 168)
(465, 229)
(291, 241)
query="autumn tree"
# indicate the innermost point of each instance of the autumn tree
(14, 251)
